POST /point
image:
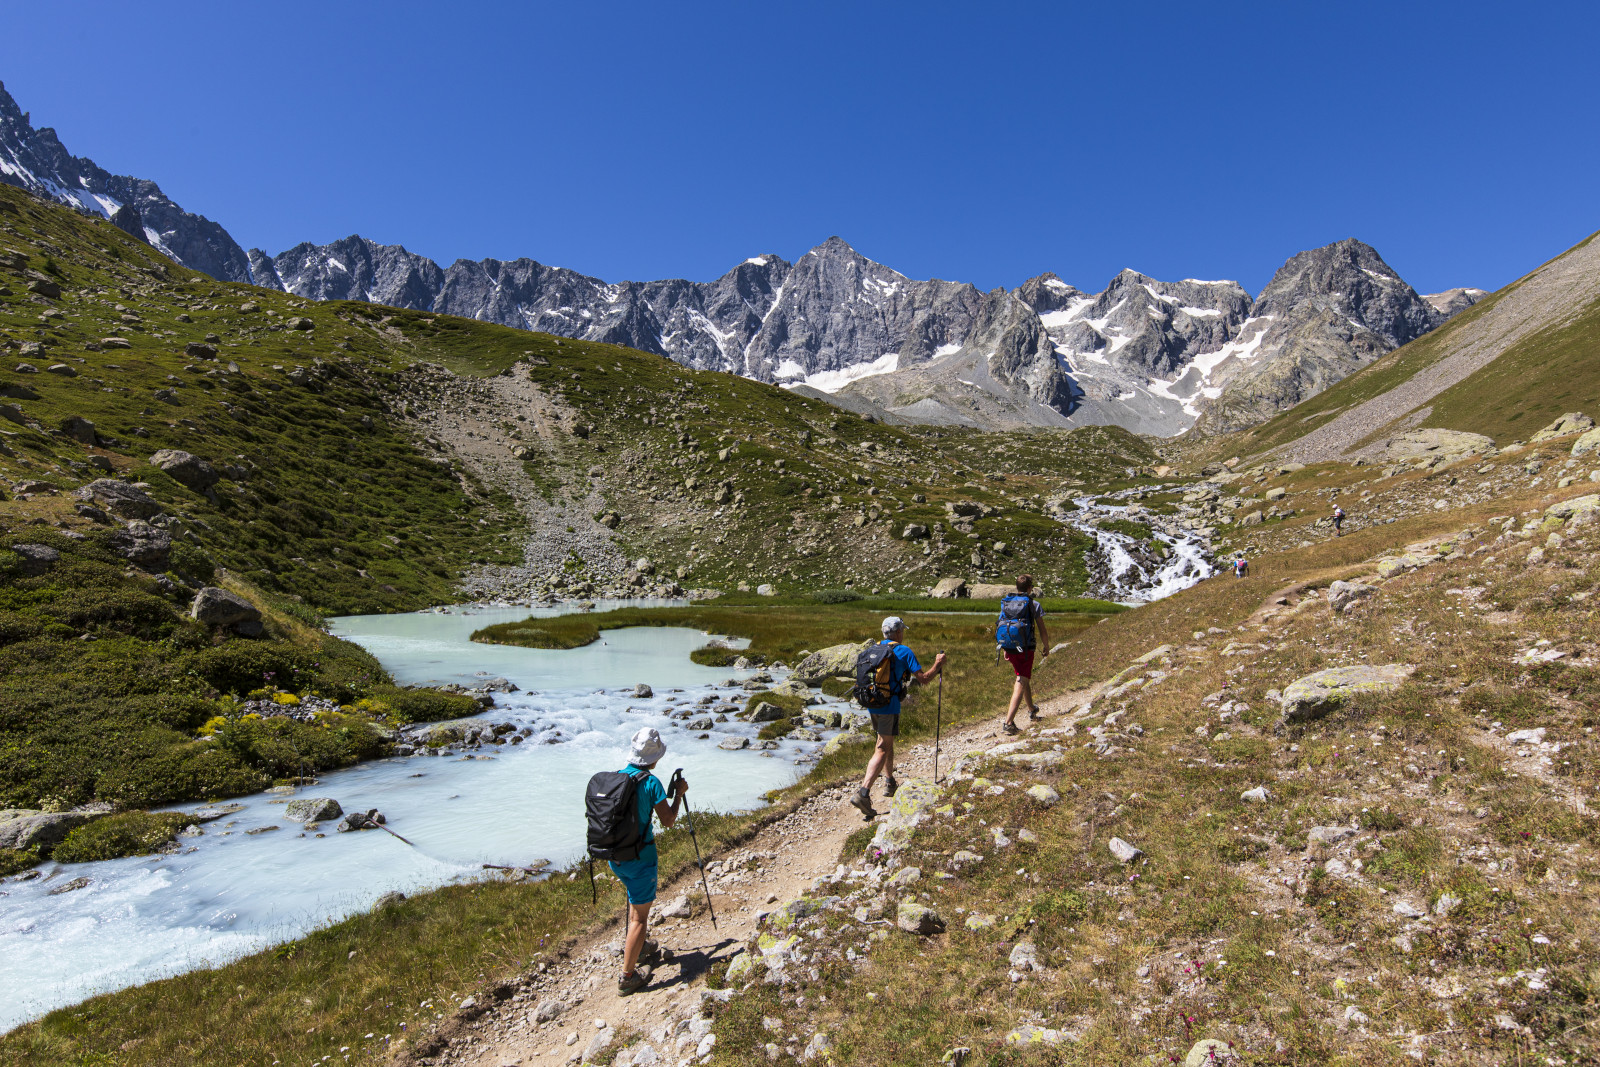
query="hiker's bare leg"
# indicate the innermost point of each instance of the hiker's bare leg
(638, 927)
(1027, 694)
(882, 756)
(1018, 688)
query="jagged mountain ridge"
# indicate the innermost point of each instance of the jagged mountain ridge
(1142, 353)
(36, 160)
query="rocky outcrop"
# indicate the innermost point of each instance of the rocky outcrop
(1443, 445)
(1327, 313)
(836, 661)
(119, 498)
(218, 607)
(186, 468)
(1315, 695)
(36, 160)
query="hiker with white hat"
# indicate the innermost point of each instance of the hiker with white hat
(883, 673)
(638, 876)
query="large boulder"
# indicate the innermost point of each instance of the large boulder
(145, 546)
(79, 429)
(1574, 508)
(765, 712)
(312, 809)
(25, 828)
(218, 607)
(1435, 444)
(836, 661)
(990, 590)
(1570, 423)
(947, 588)
(911, 806)
(186, 468)
(1588, 443)
(1342, 594)
(1317, 694)
(119, 498)
(36, 559)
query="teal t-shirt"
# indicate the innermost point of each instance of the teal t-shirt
(650, 793)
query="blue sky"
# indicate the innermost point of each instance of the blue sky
(982, 143)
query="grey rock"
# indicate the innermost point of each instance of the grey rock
(185, 468)
(734, 744)
(389, 900)
(1258, 795)
(119, 498)
(312, 809)
(68, 887)
(549, 1010)
(1435, 444)
(1044, 795)
(145, 546)
(219, 607)
(1124, 852)
(22, 828)
(835, 661)
(765, 712)
(916, 918)
(1570, 423)
(1317, 694)
(1209, 1052)
(947, 588)
(1330, 835)
(36, 559)
(642, 692)
(1342, 594)
(79, 429)
(914, 531)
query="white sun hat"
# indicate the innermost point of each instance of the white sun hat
(646, 747)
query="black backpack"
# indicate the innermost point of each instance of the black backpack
(875, 686)
(611, 803)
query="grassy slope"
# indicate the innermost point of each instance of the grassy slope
(651, 444)
(1549, 373)
(1207, 939)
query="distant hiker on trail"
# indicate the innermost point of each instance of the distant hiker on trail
(1241, 567)
(1338, 521)
(1018, 633)
(883, 673)
(619, 806)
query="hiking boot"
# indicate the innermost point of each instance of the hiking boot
(649, 952)
(632, 983)
(863, 803)
(1008, 728)
(1033, 713)
(890, 785)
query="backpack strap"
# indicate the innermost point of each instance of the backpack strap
(649, 828)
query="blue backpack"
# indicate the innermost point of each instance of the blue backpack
(1014, 632)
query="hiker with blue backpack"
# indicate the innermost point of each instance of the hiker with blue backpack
(1017, 634)
(619, 806)
(884, 672)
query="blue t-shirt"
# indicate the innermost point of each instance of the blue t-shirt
(905, 665)
(650, 793)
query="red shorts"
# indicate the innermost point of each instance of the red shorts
(1021, 662)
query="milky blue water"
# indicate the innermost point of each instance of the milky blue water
(236, 892)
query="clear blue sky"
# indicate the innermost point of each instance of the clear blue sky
(977, 142)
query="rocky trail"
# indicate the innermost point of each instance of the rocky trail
(569, 1010)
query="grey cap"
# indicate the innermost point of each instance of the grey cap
(893, 623)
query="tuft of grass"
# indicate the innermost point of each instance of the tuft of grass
(560, 631)
(133, 833)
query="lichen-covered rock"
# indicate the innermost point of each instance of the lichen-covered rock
(312, 809)
(1034, 1037)
(1044, 795)
(741, 968)
(839, 741)
(797, 909)
(1315, 695)
(836, 661)
(1574, 508)
(979, 921)
(767, 712)
(1570, 423)
(911, 806)
(916, 918)
(1588, 443)
(1036, 761)
(1342, 594)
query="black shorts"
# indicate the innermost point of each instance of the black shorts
(886, 725)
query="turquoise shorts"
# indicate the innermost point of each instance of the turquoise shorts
(638, 876)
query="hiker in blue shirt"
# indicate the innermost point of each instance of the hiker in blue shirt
(638, 876)
(886, 720)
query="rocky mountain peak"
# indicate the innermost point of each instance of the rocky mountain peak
(36, 160)
(1349, 278)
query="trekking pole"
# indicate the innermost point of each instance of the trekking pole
(938, 722)
(689, 818)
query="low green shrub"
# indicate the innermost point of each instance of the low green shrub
(835, 596)
(13, 860)
(424, 705)
(713, 656)
(562, 631)
(133, 833)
